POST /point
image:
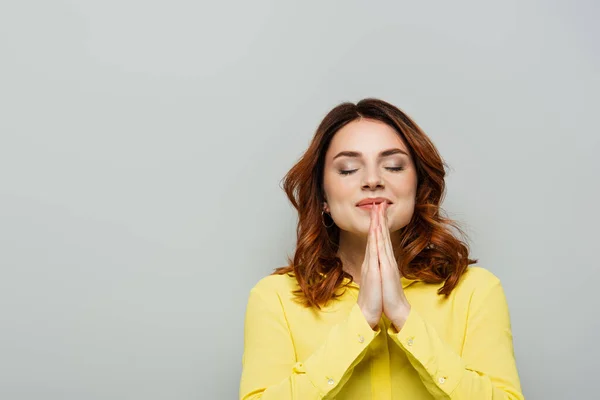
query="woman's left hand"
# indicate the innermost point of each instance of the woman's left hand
(395, 303)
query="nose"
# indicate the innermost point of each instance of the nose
(372, 181)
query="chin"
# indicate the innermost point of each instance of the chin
(355, 229)
(360, 229)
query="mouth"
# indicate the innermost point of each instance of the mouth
(369, 206)
(367, 203)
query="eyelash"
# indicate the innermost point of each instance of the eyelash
(350, 171)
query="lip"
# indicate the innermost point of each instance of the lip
(368, 202)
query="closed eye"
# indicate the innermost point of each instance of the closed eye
(351, 171)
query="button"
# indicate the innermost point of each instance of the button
(330, 381)
(361, 339)
(442, 379)
(299, 368)
(409, 342)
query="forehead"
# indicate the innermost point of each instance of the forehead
(367, 136)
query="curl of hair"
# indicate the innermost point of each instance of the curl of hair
(429, 251)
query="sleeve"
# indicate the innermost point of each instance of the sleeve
(487, 369)
(270, 369)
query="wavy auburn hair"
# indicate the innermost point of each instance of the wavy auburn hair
(429, 251)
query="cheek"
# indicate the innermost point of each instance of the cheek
(338, 190)
(402, 215)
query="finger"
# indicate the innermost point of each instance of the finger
(373, 258)
(386, 255)
(381, 248)
(372, 224)
(386, 234)
(370, 239)
(377, 208)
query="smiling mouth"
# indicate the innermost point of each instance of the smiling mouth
(369, 206)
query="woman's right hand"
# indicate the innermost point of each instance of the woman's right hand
(370, 295)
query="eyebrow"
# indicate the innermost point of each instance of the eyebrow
(384, 153)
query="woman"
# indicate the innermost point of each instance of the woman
(380, 300)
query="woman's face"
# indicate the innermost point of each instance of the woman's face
(368, 159)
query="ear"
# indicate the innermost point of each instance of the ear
(325, 207)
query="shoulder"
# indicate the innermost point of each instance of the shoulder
(275, 285)
(478, 277)
(478, 284)
(477, 281)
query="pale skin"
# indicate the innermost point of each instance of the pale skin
(381, 290)
(366, 237)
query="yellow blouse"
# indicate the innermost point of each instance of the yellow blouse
(457, 348)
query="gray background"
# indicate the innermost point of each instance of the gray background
(143, 144)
